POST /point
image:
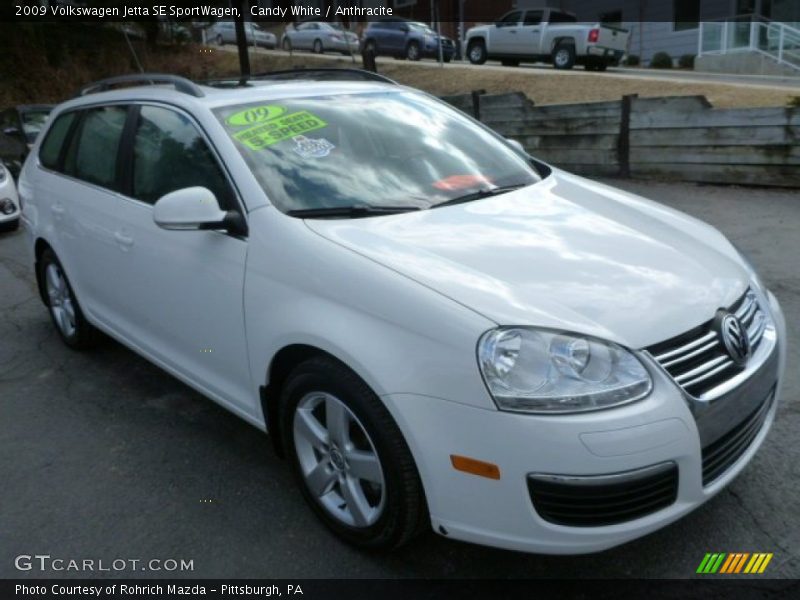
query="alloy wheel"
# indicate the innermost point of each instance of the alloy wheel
(338, 460)
(60, 299)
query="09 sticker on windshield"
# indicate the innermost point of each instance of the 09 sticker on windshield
(255, 114)
(269, 124)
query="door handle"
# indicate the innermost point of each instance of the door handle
(123, 240)
(57, 209)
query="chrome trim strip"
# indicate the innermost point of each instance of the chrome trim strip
(726, 365)
(692, 354)
(706, 366)
(686, 347)
(609, 478)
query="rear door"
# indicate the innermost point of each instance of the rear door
(505, 34)
(82, 200)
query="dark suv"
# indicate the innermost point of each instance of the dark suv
(406, 39)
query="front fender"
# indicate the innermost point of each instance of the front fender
(396, 334)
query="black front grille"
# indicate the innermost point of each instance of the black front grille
(721, 454)
(603, 500)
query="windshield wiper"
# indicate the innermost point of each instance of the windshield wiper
(353, 212)
(480, 194)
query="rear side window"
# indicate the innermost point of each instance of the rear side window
(52, 144)
(559, 17)
(92, 155)
(170, 154)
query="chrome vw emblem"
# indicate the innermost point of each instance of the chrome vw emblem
(735, 338)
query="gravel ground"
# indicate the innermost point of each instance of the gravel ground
(104, 456)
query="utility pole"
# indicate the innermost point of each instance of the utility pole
(241, 43)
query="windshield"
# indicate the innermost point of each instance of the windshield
(398, 149)
(32, 123)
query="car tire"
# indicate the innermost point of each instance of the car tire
(65, 312)
(381, 511)
(220, 41)
(9, 226)
(287, 45)
(564, 56)
(318, 48)
(413, 52)
(447, 59)
(476, 52)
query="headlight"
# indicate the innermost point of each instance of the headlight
(549, 372)
(7, 206)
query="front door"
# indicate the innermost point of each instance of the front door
(505, 34)
(178, 294)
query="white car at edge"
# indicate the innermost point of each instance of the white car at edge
(438, 331)
(9, 202)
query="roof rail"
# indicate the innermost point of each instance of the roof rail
(315, 74)
(325, 74)
(181, 83)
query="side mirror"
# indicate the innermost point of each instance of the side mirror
(195, 208)
(516, 145)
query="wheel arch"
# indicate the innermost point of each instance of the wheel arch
(564, 39)
(38, 249)
(278, 370)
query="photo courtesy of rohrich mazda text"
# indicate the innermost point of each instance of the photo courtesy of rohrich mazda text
(438, 330)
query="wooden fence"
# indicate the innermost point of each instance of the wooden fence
(680, 138)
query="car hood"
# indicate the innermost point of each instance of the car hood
(566, 253)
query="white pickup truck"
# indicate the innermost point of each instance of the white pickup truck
(546, 35)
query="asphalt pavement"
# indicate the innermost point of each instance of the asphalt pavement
(103, 456)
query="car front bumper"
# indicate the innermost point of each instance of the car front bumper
(500, 512)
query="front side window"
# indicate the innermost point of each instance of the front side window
(92, 155)
(510, 19)
(388, 149)
(170, 154)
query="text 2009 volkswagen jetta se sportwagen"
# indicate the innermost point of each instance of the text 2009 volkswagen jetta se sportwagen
(437, 329)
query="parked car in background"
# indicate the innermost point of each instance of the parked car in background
(319, 37)
(9, 201)
(547, 35)
(452, 336)
(405, 39)
(224, 32)
(19, 127)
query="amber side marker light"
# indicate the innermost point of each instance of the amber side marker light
(475, 467)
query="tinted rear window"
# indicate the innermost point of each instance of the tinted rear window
(52, 144)
(92, 155)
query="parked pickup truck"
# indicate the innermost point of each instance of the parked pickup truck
(547, 35)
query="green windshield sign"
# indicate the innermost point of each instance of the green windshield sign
(269, 124)
(255, 114)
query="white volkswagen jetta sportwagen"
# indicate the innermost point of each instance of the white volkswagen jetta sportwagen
(436, 329)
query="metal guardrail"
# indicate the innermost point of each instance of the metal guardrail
(751, 33)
